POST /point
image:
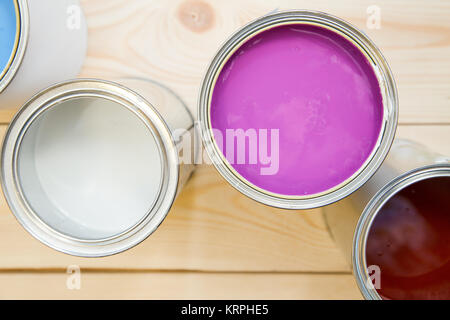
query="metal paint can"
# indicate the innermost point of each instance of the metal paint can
(388, 92)
(50, 46)
(91, 168)
(349, 220)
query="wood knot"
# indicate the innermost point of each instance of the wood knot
(197, 16)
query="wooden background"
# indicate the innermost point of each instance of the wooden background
(216, 243)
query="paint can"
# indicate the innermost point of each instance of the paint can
(252, 94)
(43, 42)
(401, 222)
(91, 168)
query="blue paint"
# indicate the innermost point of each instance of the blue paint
(8, 30)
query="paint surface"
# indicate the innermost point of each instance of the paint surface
(318, 90)
(8, 31)
(410, 241)
(90, 168)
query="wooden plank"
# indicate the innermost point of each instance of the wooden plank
(205, 231)
(178, 286)
(230, 246)
(202, 232)
(173, 42)
(435, 137)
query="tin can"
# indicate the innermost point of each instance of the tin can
(48, 41)
(389, 105)
(91, 168)
(349, 220)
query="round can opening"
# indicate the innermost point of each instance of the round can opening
(407, 249)
(89, 168)
(315, 96)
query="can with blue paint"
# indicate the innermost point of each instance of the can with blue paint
(41, 42)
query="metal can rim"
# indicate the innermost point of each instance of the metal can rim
(369, 213)
(30, 220)
(23, 26)
(387, 87)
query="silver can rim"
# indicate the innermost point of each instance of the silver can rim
(24, 30)
(30, 220)
(387, 87)
(369, 214)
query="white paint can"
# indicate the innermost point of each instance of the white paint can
(91, 168)
(42, 42)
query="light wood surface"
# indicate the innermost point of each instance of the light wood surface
(215, 242)
(157, 285)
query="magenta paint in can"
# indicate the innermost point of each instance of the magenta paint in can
(298, 109)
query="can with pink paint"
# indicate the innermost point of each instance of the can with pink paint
(298, 109)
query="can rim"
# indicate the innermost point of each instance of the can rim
(22, 29)
(387, 87)
(369, 213)
(140, 107)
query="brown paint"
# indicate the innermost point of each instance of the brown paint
(410, 241)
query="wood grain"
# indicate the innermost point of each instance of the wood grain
(435, 137)
(179, 286)
(207, 232)
(215, 242)
(204, 231)
(173, 42)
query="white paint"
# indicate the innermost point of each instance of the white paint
(90, 168)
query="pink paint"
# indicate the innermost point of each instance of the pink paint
(318, 89)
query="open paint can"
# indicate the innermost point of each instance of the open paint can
(91, 168)
(41, 42)
(298, 109)
(394, 230)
